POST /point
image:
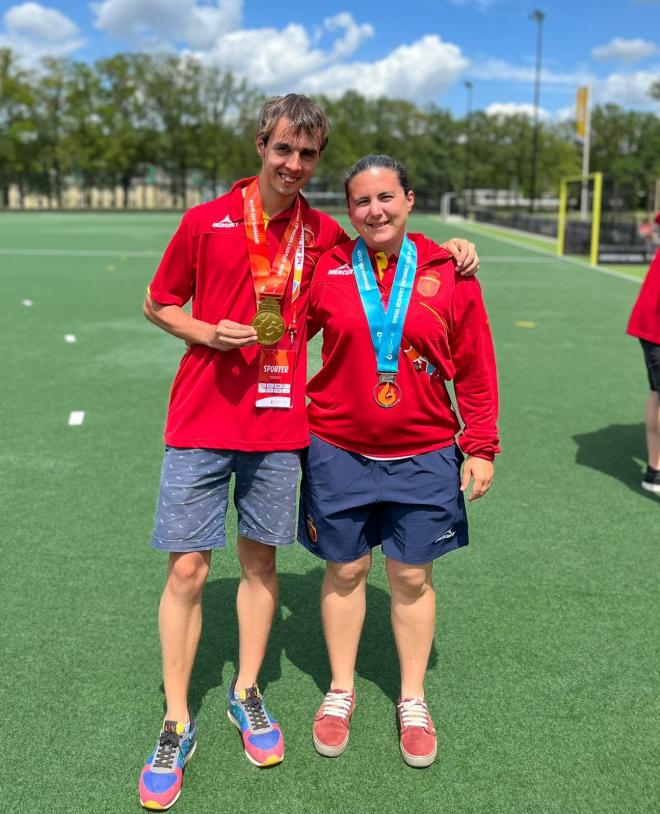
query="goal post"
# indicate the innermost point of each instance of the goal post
(597, 178)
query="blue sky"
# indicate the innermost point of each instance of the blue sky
(423, 50)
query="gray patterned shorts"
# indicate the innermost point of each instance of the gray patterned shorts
(194, 492)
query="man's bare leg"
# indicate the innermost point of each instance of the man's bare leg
(256, 602)
(180, 623)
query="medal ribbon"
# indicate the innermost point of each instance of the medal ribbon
(298, 264)
(386, 327)
(270, 279)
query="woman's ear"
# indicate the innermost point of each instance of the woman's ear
(411, 199)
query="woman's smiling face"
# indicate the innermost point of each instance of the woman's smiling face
(378, 208)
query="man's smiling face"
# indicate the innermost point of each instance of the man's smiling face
(289, 160)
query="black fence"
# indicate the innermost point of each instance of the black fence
(524, 221)
(620, 241)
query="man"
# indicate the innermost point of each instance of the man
(237, 405)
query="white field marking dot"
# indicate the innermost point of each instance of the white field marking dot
(524, 324)
(27, 303)
(70, 338)
(76, 418)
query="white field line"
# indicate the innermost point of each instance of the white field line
(76, 418)
(581, 263)
(516, 259)
(74, 253)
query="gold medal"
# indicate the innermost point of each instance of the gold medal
(268, 322)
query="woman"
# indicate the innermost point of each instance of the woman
(383, 467)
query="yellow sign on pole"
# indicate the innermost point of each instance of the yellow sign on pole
(582, 110)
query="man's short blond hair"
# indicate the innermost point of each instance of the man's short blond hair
(305, 117)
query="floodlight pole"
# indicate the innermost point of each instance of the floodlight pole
(538, 17)
(466, 163)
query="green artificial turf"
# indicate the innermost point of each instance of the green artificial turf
(544, 676)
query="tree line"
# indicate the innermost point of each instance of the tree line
(115, 122)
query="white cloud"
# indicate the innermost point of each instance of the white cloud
(628, 90)
(483, 4)
(516, 109)
(279, 59)
(354, 34)
(270, 58)
(420, 72)
(565, 114)
(499, 70)
(162, 22)
(625, 50)
(267, 57)
(34, 31)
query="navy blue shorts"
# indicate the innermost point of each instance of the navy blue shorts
(349, 504)
(652, 359)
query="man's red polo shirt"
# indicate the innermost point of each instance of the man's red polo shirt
(212, 403)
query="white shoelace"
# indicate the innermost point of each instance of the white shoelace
(337, 704)
(414, 713)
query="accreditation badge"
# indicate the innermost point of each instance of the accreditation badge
(275, 382)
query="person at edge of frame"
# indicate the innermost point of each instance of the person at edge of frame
(644, 324)
(385, 465)
(237, 405)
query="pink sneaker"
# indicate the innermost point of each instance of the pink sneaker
(417, 738)
(332, 721)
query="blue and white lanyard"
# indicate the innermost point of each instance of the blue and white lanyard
(386, 327)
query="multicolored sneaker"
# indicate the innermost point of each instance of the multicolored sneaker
(417, 738)
(260, 732)
(161, 778)
(332, 722)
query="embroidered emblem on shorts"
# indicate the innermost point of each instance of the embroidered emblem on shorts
(428, 286)
(308, 236)
(311, 530)
(446, 536)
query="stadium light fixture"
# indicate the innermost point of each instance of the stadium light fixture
(538, 17)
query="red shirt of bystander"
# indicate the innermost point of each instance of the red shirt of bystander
(644, 320)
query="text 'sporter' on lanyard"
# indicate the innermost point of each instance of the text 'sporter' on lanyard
(270, 281)
(386, 327)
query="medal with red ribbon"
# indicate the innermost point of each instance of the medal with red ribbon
(270, 280)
